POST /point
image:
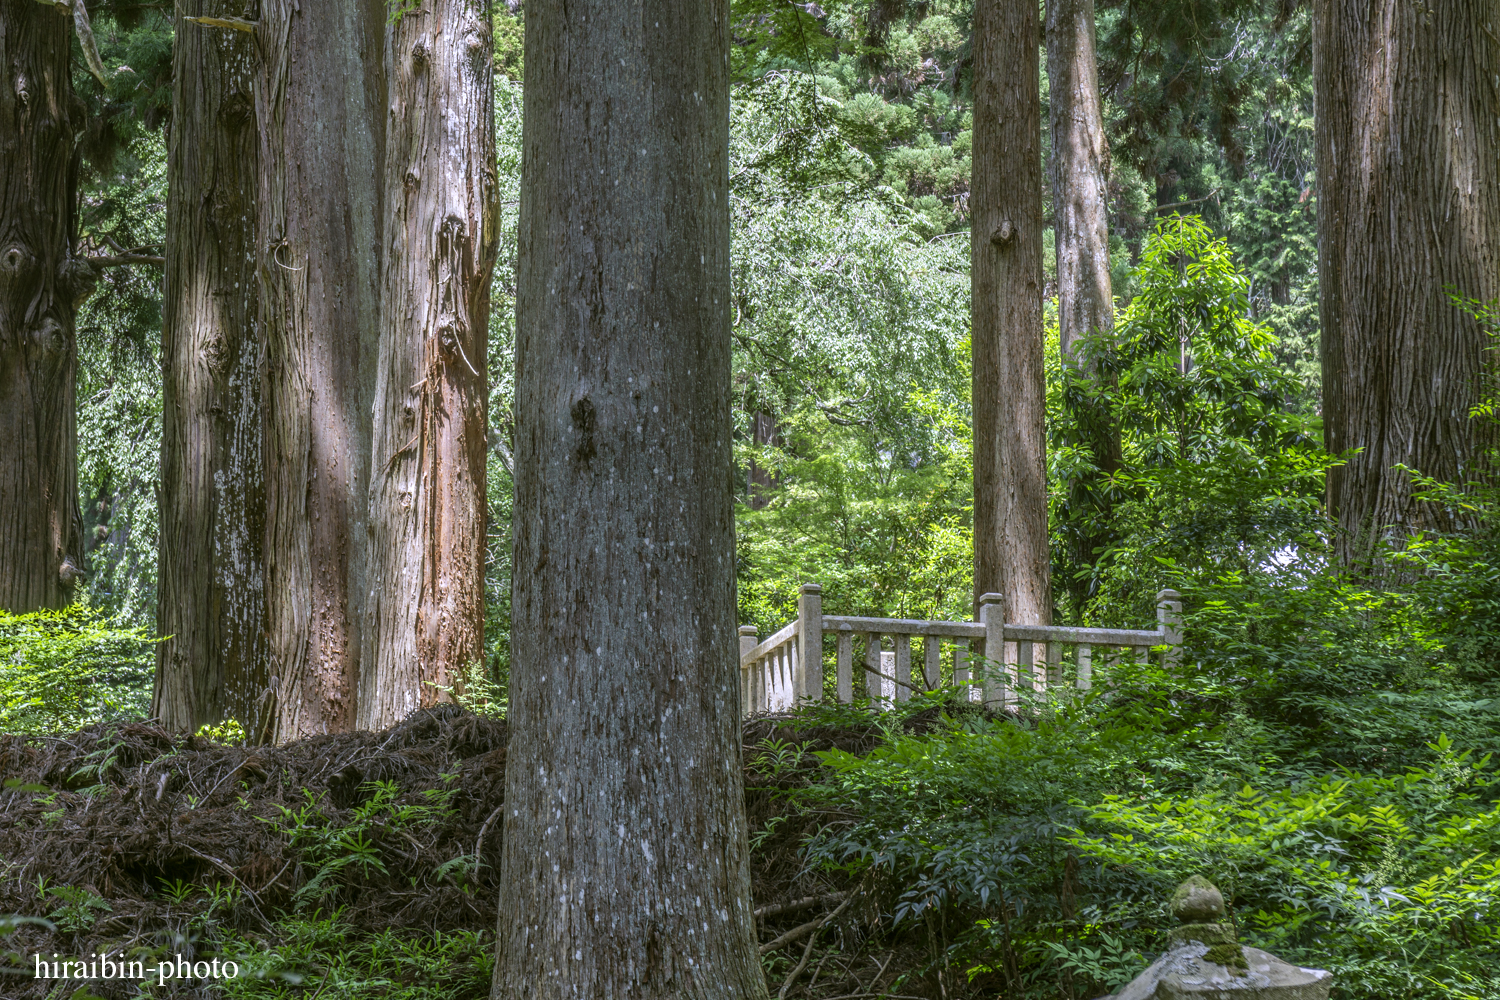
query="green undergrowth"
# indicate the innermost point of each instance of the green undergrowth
(399, 965)
(1323, 755)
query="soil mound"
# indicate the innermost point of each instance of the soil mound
(107, 830)
(129, 838)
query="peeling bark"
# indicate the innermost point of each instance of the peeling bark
(42, 283)
(1011, 555)
(1408, 156)
(625, 870)
(427, 502)
(320, 105)
(211, 577)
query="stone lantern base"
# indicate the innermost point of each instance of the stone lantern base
(1184, 973)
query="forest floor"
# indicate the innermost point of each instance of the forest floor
(364, 864)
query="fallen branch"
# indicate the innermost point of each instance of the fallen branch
(895, 680)
(791, 978)
(798, 932)
(797, 905)
(479, 841)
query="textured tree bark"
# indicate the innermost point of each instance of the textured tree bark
(625, 863)
(320, 106)
(427, 497)
(1010, 449)
(1408, 160)
(211, 586)
(42, 283)
(1079, 171)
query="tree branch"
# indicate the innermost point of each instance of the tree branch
(797, 932)
(796, 905)
(125, 260)
(1192, 201)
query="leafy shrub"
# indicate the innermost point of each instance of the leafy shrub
(1177, 428)
(62, 670)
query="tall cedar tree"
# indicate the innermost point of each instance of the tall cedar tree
(211, 596)
(427, 499)
(320, 110)
(42, 283)
(1010, 450)
(1080, 209)
(1079, 174)
(625, 870)
(1408, 157)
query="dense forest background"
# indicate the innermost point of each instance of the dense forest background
(851, 142)
(1322, 751)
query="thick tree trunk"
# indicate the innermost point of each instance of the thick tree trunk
(1085, 299)
(41, 286)
(625, 863)
(211, 587)
(427, 498)
(1408, 160)
(1079, 169)
(1010, 447)
(320, 108)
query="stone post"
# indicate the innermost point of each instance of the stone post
(809, 644)
(997, 689)
(749, 639)
(1169, 620)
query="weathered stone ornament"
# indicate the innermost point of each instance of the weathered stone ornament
(1205, 961)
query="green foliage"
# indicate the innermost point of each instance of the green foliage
(477, 692)
(77, 909)
(357, 845)
(501, 369)
(510, 31)
(134, 100)
(1214, 472)
(1391, 882)
(120, 385)
(883, 536)
(395, 10)
(324, 953)
(62, 670)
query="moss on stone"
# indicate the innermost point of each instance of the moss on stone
(1198, 899)
(1231, 956)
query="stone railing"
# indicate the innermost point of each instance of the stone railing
(776, 675)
